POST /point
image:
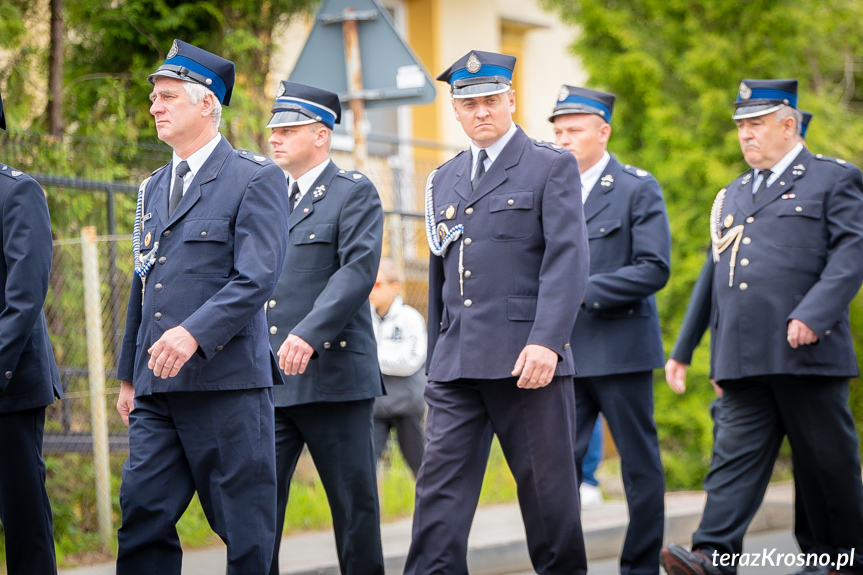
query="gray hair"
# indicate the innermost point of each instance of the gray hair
(198, 92)
(786, 111)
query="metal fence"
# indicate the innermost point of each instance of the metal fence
(91, 189)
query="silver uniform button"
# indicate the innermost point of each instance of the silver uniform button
(327, 345)
(203, 234)
(274, 330)
(469, 211)
(311, 236)
(602, 230)
(744, 262)
(827, 332)
(219, 348)
(750, 219)
(343, 343)
(467, 303)
(798, 209)
(744, 286)
(596, 305)
(510, 201)
(565, 346)
(467, 273)
(158, 315)
(747, 241)
(272, 303)
(468, 241)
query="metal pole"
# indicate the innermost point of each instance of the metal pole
(354, 67)
(96, 369)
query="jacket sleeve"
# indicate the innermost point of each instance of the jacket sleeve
(405, 356)
(129, 348)
(360, 236)
(651, 254)
(27, 250)
(827, 300)
(566, 259)
(697, 317)
(260, 242)
(435, 304)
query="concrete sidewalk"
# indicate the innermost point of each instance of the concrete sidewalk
(497, 543)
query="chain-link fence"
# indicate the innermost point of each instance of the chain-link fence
(91, 189)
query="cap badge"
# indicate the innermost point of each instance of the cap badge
(729, 219)
(173, 51)
(745, 91)
(563, 94)
(450, 212)
(473, 64)
(147, 239)
(281, 91)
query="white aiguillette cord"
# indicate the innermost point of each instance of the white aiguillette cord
(720, 242)
(447, 235)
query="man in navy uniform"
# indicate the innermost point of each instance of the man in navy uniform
(616, 342)
(787, 258)
(320, 323)
(196, 366)
(29, 380)
(507, 272)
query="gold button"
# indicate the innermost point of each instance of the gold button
(343, 343)
(747, 241)
(272, 303)
(274, 330)
(750, 219)
(744, 286)
(469, 211)
(468, 241)
(327, 345)
(744, 262)
(798, 209)
(510, 201)
(311, 236)
(467, 303)
(467, 273)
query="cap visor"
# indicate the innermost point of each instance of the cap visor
(289, 118)
(477, 90)
(754, 111)
(579, 110)
(170, 74)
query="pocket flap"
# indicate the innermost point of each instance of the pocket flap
(206, 230)
(805, 208)
(521, 200)
(316, 234)
(602, 229)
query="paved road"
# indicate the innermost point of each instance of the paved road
(782, 541)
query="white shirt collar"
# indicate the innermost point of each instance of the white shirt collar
(591, 175)
(779, 168)
(195, 161)
(493, 150)
(306, 180)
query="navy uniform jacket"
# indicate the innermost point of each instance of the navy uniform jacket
(801, 257)
(525, 259)
(618, 331)
(218, 260)
(28, 374)
(334, 249)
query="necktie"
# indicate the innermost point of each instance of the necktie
(177, 191)
(766, 174)
(480, 169)
(295, 195)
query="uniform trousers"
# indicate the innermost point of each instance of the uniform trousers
(757, 413)
(535, 428)
(218, 443)
(25, 511)
(339, 437)
(626, 402)
(409, 430)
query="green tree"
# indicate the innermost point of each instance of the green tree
(675, 66)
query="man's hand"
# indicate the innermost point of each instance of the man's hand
(535, 366)
(126, 401)
(716, 388)
(675, 375)
(171, 352)
(294, 355)
(800, 334)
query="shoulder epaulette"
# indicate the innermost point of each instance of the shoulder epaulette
(11, 172)
(637, 172)
(254, 157)
(548, 145)
(824, 158)
(351, 175)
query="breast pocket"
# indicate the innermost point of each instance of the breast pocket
(800, 222)
(207, 247)
(511, 216)
(312, 248)
(603, 229)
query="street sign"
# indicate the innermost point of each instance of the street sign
(391, 73)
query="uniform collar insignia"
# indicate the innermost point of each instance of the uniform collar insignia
(746, 178)
(606, 180)
(319, 192)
